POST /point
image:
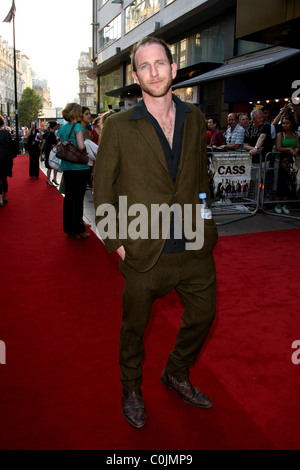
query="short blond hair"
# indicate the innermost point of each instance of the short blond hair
(150, 40)
(71, 112)
(105, 116)
(96, 121)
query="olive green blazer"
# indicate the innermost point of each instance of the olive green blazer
(130, 162)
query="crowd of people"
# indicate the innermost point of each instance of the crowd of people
(84, 132)
(256, 133)
(38, 143)
(7, 153)
(259, 135)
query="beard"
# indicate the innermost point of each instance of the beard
(157, 91)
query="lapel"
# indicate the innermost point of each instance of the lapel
(187, 140)
(149, 134)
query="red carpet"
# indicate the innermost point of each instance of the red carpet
(60, 318)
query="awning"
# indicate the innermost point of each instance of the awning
(243, 65)
(125, 91)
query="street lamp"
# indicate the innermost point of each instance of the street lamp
(8, 18)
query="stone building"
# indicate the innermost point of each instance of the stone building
(87, 86)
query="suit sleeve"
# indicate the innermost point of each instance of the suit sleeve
(106, 174)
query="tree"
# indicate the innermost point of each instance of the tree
(29, 107)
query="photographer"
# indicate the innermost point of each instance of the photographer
(289, 111)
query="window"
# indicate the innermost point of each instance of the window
(169, 1)
(245, 47)
(129, 77)
(101, 3)
(110, 32)
(109, 82)
(139, 11)
(206, 45)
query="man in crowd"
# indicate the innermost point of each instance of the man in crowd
(258, 136)
(155, 153)
(234, 134)
(267, 118)
(244, 120)
(217, 138)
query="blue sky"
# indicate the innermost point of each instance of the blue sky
(52, 34)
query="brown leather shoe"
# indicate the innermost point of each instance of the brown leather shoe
(191, 395)
(133, 408)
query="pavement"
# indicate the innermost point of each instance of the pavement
(259, 222)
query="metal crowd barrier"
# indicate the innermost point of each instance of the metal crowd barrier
(235, 184)
(281, 184)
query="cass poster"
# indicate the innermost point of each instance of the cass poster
(229, 175)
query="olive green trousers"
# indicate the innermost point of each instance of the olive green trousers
(194, 280)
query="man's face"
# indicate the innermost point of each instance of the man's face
(266, 115)
(210, 124)
(258, 119)
(232, 122)
(154, 72)
(244, 121)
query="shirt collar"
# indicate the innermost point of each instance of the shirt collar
(140, 111)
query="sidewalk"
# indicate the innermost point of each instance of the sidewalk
(258, 223)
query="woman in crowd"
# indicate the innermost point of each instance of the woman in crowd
(287, 143)
(75, 175)
(34, 138)
(96, 134)
(98, 123)
(6, 161)
(86, 120)
(96, 130)
(50, 142)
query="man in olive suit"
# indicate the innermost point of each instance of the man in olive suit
(152, 155)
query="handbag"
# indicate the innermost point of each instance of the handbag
(69, 152)
(54, 162)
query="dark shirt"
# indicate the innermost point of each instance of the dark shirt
(6, 146)
(252, 134)
(217, 138)
(172, 244)
(50, 142)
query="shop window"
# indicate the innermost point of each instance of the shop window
(109, 82)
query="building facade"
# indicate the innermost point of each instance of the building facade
(7, 86)
(87, 86)
(202, 36)
(26, 77)
(41, 88)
